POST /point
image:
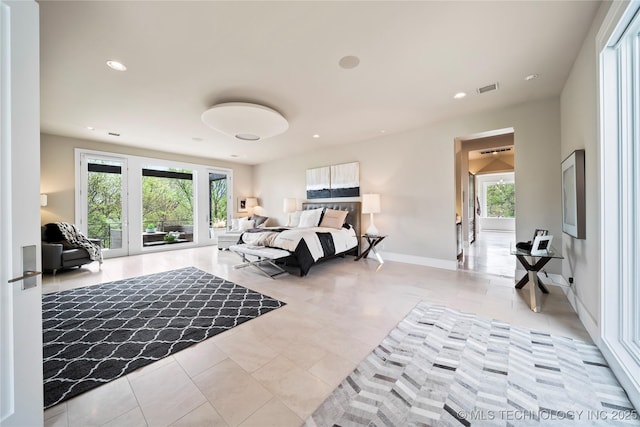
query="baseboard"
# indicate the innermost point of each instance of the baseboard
(417, 260)
(585, 317)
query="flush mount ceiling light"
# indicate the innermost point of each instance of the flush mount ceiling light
(245, 121)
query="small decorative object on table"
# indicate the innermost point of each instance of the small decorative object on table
(541, 245)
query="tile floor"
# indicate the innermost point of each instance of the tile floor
(490, 253)
(275, 370)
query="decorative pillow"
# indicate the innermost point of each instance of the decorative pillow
(333, 218)
(260, 221)
(310, 218)
(237, 223)
(294, 219)
(247, 225)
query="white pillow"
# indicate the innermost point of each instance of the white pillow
(310, 218)
(246, 225)
(294, 219)
(238, 223)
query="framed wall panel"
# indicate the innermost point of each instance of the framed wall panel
(573, 195)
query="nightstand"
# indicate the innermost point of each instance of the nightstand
(373, 242)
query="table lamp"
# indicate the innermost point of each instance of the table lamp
(290, 205)
(371, 205)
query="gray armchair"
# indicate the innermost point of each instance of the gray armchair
(58, 255)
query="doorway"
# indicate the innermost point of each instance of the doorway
(485, 195)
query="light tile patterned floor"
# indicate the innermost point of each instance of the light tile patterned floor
(490, 253)
(277, 369)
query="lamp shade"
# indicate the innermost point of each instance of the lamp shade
(245, 121)
(370, 203)
(44, 200)
(290, 205)
(252, 202)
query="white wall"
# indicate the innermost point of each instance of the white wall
(579, 109)
(414, 172)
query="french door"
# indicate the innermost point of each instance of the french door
(103, 202)
(220, 202)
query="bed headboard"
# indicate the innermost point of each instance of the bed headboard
(353, 217)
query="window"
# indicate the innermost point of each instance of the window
(104, 202)
(119, 196)
(619, 195)
(501, 200)
(218, 206)
(167, 205)
(101, 208)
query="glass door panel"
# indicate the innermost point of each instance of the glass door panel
(219, 203)
(103, 190)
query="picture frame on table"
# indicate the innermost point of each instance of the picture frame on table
(541, 245)
(539, 232)
(242, 204)
(573, 195)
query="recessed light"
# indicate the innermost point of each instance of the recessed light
(91, 128)
(316, 136)
(349, 61)
(115, 65)
(459, 95)
(531, 77)
(383, 131)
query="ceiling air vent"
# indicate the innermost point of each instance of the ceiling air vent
(488, 88)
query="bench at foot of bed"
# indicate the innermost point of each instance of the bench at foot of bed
(263, 258)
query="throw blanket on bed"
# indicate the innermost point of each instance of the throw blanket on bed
(307, 244)
(72, 235)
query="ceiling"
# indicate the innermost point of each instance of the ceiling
(183, 57)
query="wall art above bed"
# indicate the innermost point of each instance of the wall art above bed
(341, 180)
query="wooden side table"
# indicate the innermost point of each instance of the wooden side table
(373, 242)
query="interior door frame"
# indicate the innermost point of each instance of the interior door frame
(472, 191)
(21, 392)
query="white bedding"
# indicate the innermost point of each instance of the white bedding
(343, 239)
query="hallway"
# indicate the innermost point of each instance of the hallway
(490, 254)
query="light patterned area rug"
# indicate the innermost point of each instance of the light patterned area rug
(95, 334)
(440, 367)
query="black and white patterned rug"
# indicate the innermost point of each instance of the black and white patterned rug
(95, 334)
(440, 367)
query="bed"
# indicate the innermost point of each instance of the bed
(308, 246)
